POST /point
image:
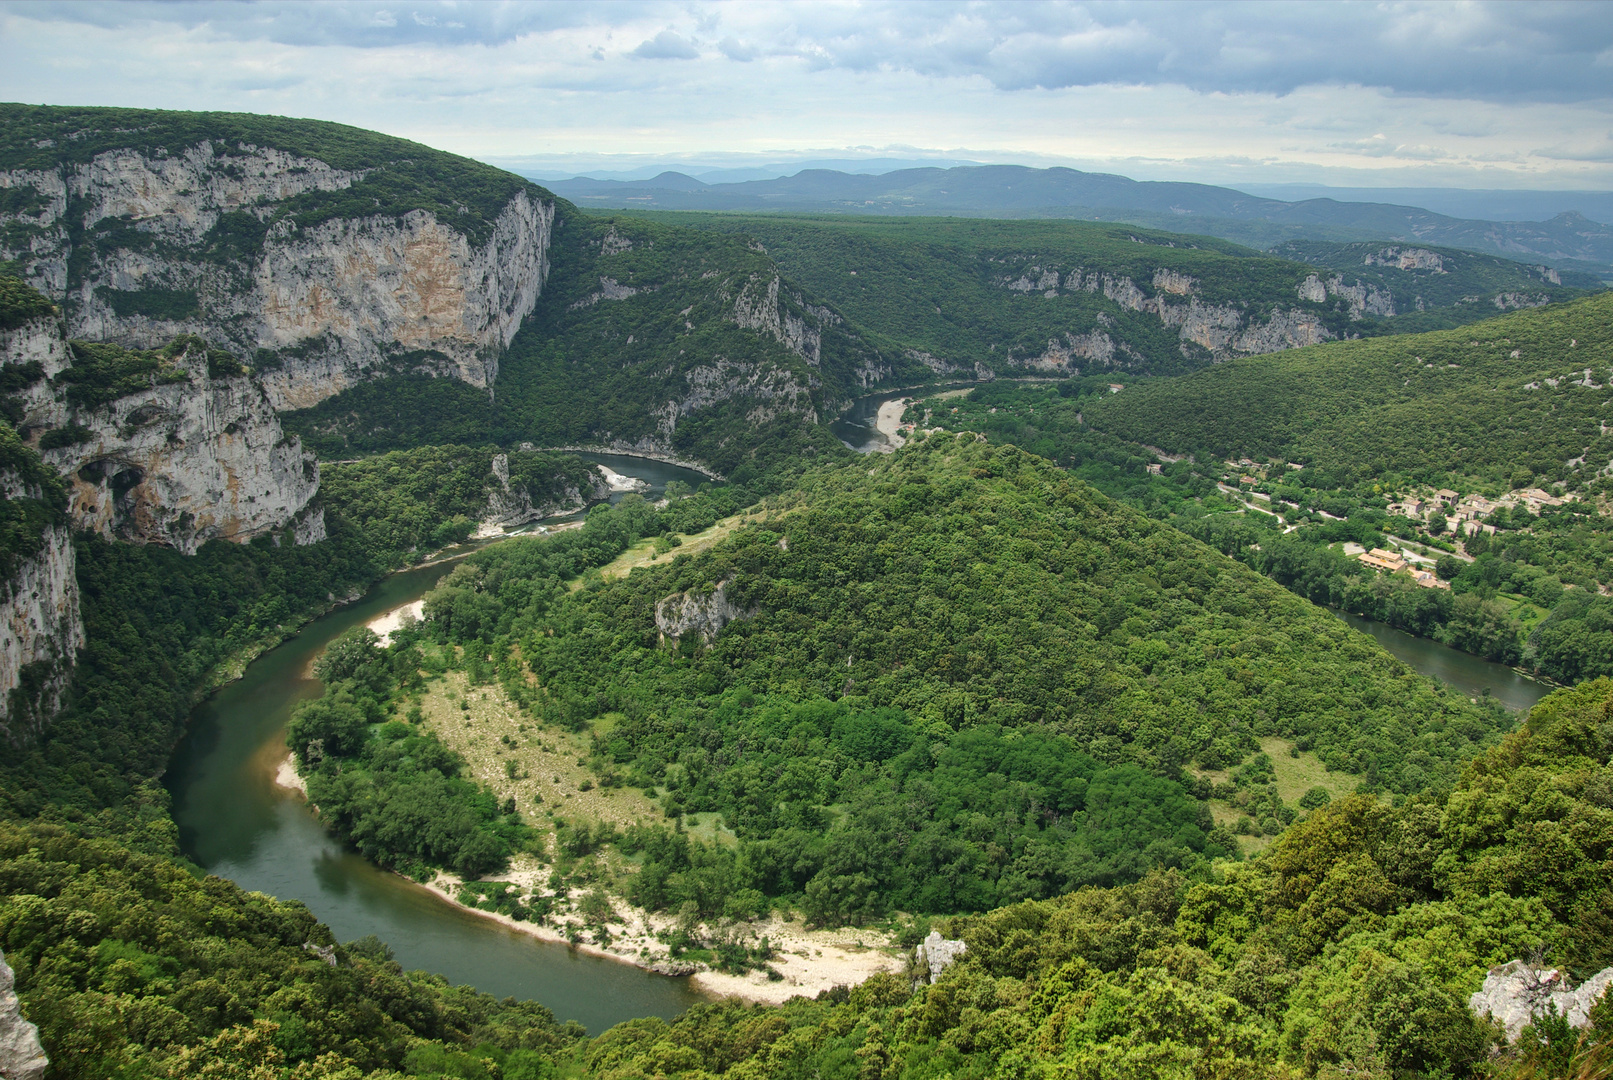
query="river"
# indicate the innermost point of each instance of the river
(234, 822)
(1462, 671)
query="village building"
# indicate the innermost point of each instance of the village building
(1379, 559)
(1446, 496)
(1428, 581)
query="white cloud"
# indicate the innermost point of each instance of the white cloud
(1461, 94)
(667, 46)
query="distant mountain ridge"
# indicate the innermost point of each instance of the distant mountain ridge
(1569, 240)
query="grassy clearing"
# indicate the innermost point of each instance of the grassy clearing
(548, 760)
(1297, 775)
(644, 553)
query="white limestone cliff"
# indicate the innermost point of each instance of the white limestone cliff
(187, 462)
(336, 301)
(193, 458)
(509, 505)
(21, 1056)
(41, 632)
(934, 955)
(697, 612)
(1518, 992)
(1223, 330)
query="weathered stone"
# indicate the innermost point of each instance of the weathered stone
(690, 612)
(935, 954)
(340, 300)
(509, 506)
(21, 1056)
(186, 462)
(327, 953)
(40, 624)
(1518, 992)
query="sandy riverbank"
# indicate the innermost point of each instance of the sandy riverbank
(809, 960)
(888, 422)
(287, 777)
(388, 621)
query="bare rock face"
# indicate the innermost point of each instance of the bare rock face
(41, 632)
(197, 458)
(935, 954)
(192, 457)
(332, 302)
(21, 1056)
(36, 349)
(1517, 992)
(509, 505)
(1223, 330)
(1407, 259)
(690, 612)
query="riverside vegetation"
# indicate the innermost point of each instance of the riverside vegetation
(957, 687)
(955, 680)
(1492, 411)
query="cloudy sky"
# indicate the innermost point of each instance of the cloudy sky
(1391, 93)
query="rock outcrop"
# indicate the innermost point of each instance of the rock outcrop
(21, 1056)
(41, 631)
(510, 504)
(1222, 330)
(176, 447)
(935, 954)
(1518, 992)
(199, 241)
(200, 455)
(693, 612)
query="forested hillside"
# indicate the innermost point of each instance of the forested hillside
(1523, 391)
(1372, 423)
(648, 338)
(971, 290)
(999, 676)
(1347, 949)
(1031, 701)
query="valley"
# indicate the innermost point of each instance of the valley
(1044, 675)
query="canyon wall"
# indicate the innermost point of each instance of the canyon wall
(140, 245)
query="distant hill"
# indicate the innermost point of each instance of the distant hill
(1000, 292)
(1567, 240)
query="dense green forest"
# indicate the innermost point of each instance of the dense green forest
(955, 680)
(972, 291)
(1555, 561)
(1456, 407)
(1347, 949)
(989, 683)
(162, 626)
(417, 501)
(1438, 288)
(946, 286)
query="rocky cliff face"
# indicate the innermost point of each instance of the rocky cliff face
(41, 632)
(138, 246)
(197, 454)
(21, 1056)
(510, 504)
(1517, 993)
(1222, 330)
(696, 612)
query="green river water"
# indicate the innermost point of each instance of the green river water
(235, 822)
